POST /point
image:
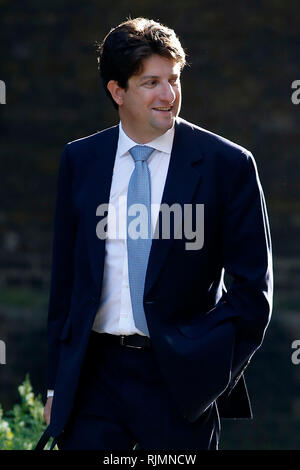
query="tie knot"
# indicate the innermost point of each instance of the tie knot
(141, 152)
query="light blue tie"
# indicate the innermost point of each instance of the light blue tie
(139, 241)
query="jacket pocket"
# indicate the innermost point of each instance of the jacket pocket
(201, 324)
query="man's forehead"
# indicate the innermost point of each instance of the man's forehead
(152, 67)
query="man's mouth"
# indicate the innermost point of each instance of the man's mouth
(163, 109)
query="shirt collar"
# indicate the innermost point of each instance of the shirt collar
(163, 143)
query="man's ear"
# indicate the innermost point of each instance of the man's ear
(116, 91)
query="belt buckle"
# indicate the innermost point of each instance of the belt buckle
(128, 345)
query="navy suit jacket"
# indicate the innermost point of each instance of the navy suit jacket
(203, 333)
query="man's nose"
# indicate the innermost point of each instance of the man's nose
(167, 93)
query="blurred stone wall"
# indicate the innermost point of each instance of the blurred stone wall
(243, 59)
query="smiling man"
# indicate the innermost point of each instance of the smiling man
(146, 345)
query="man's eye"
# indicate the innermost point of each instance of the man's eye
(151, 82)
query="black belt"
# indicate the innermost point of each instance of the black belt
(131, 341)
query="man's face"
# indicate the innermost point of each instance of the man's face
(152, 101)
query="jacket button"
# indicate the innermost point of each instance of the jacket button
(148, 302)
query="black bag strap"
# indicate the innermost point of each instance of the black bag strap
(44, 440)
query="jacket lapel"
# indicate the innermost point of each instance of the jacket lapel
(184, 175)
(99, 183)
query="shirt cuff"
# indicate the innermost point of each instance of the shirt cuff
(50, 393)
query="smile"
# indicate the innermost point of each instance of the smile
(164, 109)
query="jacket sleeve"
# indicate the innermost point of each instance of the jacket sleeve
(62, 265)
(234, 328)
(247, 258)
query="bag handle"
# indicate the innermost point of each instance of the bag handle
(44, 439)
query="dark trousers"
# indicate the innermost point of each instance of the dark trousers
(122, 401)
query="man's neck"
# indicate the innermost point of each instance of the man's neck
(140, 139)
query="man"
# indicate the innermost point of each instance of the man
(146, 344)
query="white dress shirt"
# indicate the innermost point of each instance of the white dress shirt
(115, 315)
(115, 311)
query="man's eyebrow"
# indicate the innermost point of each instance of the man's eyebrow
(147, 77)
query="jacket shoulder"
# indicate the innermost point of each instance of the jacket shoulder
(92, 141)
(214, 144)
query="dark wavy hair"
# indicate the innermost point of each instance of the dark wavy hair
(122, 51)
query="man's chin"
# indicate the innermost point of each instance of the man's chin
(165, 125)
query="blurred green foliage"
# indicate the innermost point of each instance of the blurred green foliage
(22, 426)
